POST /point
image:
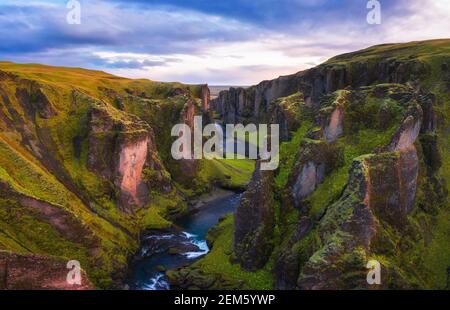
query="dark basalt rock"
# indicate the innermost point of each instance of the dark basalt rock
(254, 222)
(34, 100)
(292, 255)
(286, 113)
(381, 191)
(171, 241)
(346, 228)
(254, 102)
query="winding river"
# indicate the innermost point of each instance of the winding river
(174, 248)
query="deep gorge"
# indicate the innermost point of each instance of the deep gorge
(86, 173)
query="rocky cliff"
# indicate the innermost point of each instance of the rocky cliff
(374, 65)
(254, 222)
(364, 170)
(83, 169)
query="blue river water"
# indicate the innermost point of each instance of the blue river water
(157, 249)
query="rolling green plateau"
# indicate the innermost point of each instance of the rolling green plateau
(86, 169)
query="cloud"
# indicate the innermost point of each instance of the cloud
(197, 41)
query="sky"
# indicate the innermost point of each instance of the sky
(220, 42)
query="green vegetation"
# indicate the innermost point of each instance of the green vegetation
(431, 49)
(218, 262)
(288, 154)
(47, 160)
(54, 204)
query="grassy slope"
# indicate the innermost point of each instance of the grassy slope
(27, 175)
(423, 50)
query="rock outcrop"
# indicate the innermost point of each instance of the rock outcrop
(205, 98)
(193, 278)
(286, 112)
(335, 127)
(234, 105)
(338, 73)
(254, 222)
(315, 161)
(293, 255)
(34, 272)
(34, 100)
(121, 146)
(381, 191)
(347, 228)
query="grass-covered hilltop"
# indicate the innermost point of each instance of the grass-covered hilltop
(85, 168)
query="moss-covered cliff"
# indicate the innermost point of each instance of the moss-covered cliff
(85, 165)
(364, 174)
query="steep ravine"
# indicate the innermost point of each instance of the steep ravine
(179, 246)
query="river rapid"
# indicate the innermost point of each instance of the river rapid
(175, 248)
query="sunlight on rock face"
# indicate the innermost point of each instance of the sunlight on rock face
(335, 128)
(132, 160)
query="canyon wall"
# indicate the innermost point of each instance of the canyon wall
(360, 175)
(253, 103)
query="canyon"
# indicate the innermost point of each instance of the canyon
(86, 173)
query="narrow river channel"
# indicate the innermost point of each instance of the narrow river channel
(171, 249)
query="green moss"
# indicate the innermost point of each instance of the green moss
(288, 154)
(307, 247)
(328, 192)
(161, 209)
(152, 218)
(437, 254)
(232, 174)
(404, 51)
(218, 262)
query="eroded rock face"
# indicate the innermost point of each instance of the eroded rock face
(119, 151)
(347, 227)
(310, 177)
(314, 83)
(315, 161)
(286, 113)
(381, 191)
(297, 249)
(34, 100)
(335, 128)
(132, 159)
(406, 136)
(188, 114)
(206, 97)
(34, 272)
(407, 166)
(254, 222)
(194, 278)
(392, 179)
(234, 104)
